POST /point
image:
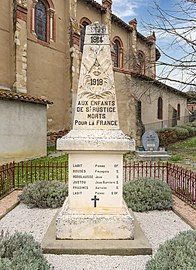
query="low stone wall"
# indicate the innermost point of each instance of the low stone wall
(53, 136)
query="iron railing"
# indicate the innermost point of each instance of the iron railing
(168, 123)
(181, 181)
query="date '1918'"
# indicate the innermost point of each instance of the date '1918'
(96, 81)
(96, 39)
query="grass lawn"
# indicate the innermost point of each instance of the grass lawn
(184, 153)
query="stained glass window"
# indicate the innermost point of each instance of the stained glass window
(41, 21)
(116, 53)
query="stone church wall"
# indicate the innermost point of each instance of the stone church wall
(148, 93)
(49, 68)
(6, 45)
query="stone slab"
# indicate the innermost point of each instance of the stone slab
(153, 155)
(96, 140)
(94, 223)
(139, 246)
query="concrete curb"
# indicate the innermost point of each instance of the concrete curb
(184, 218)
(9, 209)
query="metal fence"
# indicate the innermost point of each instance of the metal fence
(181, 181)
(17, 175)
(168, 123)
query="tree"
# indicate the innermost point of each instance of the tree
(178, 27)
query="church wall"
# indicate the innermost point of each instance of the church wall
(149, 93)
(141, 45)
(124, 36)
(6, 45)
(84, 10)
(48, 69)
(126, 105)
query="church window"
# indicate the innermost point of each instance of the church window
(118, 53)
(141, 62)
(83, 23)
(160, 108)
(42, 20)
(178, 112)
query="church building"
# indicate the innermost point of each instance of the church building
(41, 45)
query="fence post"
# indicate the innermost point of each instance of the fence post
(167, 172)
(12, 166)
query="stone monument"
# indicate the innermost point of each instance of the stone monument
(95, 208)
(150, 142)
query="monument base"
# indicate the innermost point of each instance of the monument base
(94, 224)
(153, 155)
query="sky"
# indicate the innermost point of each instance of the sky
(142, 10)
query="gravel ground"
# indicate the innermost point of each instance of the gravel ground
(158, 227)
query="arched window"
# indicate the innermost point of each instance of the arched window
(141, 62)
(160, 108)
(41, 20)
(118, 52)
(83, 23)
(178, 112)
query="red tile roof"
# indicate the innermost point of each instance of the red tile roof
(6, 94)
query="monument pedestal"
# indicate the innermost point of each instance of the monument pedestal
(95, 208)
(111, 223)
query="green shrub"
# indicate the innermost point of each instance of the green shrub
(146, 194)
(178, 253)
(167, 136)
(191, 130)
(181, 133)
(21, 252)
(192, 124)
(44, 194)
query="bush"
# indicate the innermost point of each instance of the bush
(178, 253)
(181, 133)
(44, 194)
(191, 130)
(21, 252)
(167, 136)
(147, 194)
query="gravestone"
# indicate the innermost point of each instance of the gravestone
(150, 141)
(95, 208)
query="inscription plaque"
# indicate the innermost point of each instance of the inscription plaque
(99, 177)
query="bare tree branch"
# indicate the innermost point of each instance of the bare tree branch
(178, 26)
